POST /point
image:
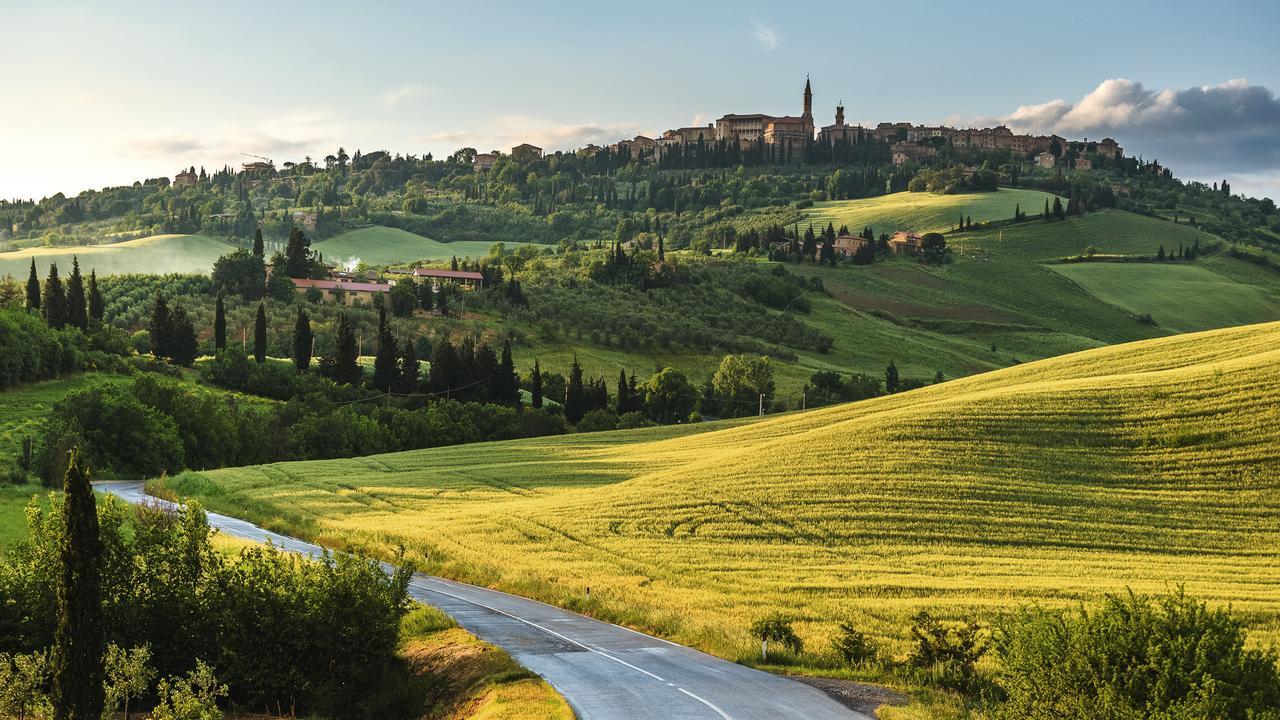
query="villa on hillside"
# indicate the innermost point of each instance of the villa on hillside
(849, 244)
(905, 243)
(525, 151)
(467, 279)
(340, 291)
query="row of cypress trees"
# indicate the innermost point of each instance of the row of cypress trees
(60, 306)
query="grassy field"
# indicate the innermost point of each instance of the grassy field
(384, 245)
(13, 512)
(922, 211)
(1179, 297)
(155, 254)
(1136, 466)
(22, 408)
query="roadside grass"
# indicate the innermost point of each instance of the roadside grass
(1182, 297)
(923, 211)
(379, 245)
(158, 254)
(13, 511)
(1138, 467)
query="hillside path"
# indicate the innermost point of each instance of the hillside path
(605, 671)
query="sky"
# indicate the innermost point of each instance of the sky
(99, 93)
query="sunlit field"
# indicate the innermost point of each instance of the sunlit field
(1140, 466)
(924, 211)
(383, 245)
(155, 254)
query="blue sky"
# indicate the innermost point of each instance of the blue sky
(103, 93)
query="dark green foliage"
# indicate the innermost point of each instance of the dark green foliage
(669, 396)
(302, 340)
(576, 402)
(410, 371)
(891, 378)
(34, 351)
(33, 288)
(933, 248)
(53, 302)
(161, 328)
(444, 368)
(219, 324)
(182, 338)
(426, 295)
(385, 363)
(80, 637)
(1135, 657)
(598, 420)
(404, 298)
(344, 367)
(853, 646)
(257, 242)
(949, 654)
(117, 434)
(827, 387)
(280, 286)
(535, 385)
(776, 629)
(242, 273)
(96, 305)
(297, 252)
(260, 335)
(506, 384)
(77, 307)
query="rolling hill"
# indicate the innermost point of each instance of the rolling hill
(383, 245)
(155, 254)
(923, 211)
(1139, 466)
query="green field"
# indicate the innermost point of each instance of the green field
(23, 407)
(157, 254)
(1137, 466)
(1179, 297)
(13, 512)
(383, 245)
(923, 211)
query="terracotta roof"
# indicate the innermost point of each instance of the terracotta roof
(335, 285)
(455, 274)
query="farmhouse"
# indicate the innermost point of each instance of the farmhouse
(1046, 160)
(849, 244)
(186, 177)
(525, 151)
(340, 291)
(484, 161)
(905, 243)
(1084, 163)
(467, 279)
(905, 152)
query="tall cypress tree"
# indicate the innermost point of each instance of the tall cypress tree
(257, 242)
(54, 301)
(535, 385)
(297, 254)
(161, 328)
(508, 387)
(80, 638)
(97, 308)
(182, 339)
(302, 341)
(346, 366)
(77, 313)
(260, 335)
(385, 369)
(623, 398)
(443, 359)
(219, 324)
(410, 372)
(575, 394)
(33, 288)
(891, 378)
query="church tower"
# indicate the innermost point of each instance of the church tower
(808, 98)
(840, 114)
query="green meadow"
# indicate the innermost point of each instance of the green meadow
(924, 212)
(378, 245)
(158, 254)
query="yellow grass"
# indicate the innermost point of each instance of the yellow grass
(1139, 466)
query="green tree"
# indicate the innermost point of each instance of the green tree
(743, 382)
(80, 637)
(410, 372)
(194, 697)
(669, 396)
(240, 272)
(346, 355)
(507, 385)
(54, 301)
(297, 253)
(302, 341)
(404, 298)
(97, 308)
(33, 288)
(161, 328)
(280, 286)
(77, 309)
(535, 385)
(219, 324)
(128, 676)
(576, 403)
(426, 295)
(891, 378)
(183, 344)
(776, 628)
(385, 369)
(260, 335)
(24, 681)
(257, 242)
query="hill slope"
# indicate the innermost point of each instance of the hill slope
(383, 245)
(1135, 466)
(923, 211)
(155, 254)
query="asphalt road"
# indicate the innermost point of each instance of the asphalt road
(605, 671)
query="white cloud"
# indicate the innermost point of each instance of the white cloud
(765, 35)
(286, 137)
(506, 131)
(393, 96)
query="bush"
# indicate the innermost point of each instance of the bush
(1135, 657)
(598, 420)
(537, 422)
(948, 654)
(34, 351)
(853, 646)
(776, 628)
(194, 697)
(634, 419)
(119, 435)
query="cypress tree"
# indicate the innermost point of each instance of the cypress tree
(508, 388)
(260, 335)
(385, 369)
(297, 254)
(891, 378)
(623, 398)
(54, 301)
(302, 341)
(77, 313)
(346, 366)
(410, 372)
(443, 360)
(182, 340)
(161, 328)
(80, 638)
(257, 242)
(575, 394)
(219, 324)
(426, 296)
(97, 308)
(1045, 216)
(535, 385)
(33, 288)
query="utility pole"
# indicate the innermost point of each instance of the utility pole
(761, 404)
(804, 396)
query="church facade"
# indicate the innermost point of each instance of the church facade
(789, 134)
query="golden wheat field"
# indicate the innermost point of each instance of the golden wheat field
(1141, 466)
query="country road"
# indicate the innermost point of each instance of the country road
(605, 671)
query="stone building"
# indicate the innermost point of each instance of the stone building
(525, 151)
(790, 132)
(186, 178)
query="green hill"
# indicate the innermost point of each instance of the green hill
(383, 245)
(157, 254)
(922, 211)
(1137, 466)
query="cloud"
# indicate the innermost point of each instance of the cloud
(392, 96)
(1227, 130)
(285, 137)
(161, 146)
(507, 131)
(765, 35)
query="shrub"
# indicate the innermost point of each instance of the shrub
(776, 628)
(853, 646)
(948, 654)
(1135, 657)
(597, 420)
(119, 435)
(194, 697)
(632, 420)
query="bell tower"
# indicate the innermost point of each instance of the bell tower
(808, 98)
(840, 114)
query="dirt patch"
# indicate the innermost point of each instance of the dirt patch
(854, 695)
